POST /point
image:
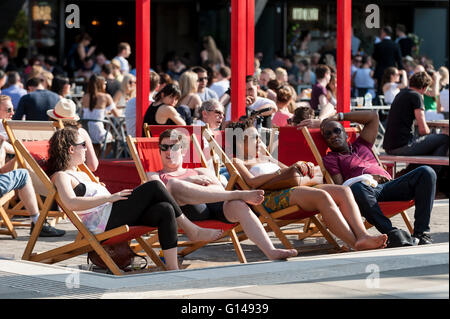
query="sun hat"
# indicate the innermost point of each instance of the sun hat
(65, 109)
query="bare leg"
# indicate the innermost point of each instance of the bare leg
(186, 193)
(238, 211)
(343, 197)
(28, 196)
(196, 233)
(170, 255)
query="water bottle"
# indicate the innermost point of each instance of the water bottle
(368, 99)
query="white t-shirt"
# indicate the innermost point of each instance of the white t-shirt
(260, 101)
(220, 87)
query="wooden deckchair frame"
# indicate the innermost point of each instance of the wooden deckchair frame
(4, 217)
(191, 246)
(329, 180)
(29, 131)
(85, 241)
(272, 220)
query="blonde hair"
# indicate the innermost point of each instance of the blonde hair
(124, 85)
(280, 72)
(36, 71)
(4, 98)
(188, 84)
(443, 71)
(270, 73)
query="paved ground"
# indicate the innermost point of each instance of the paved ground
(213, 272)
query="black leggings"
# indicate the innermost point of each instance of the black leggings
(149, 205)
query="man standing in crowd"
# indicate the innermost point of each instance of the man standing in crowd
(123, 52)
(405, 43)
(386, 53)
(5, 64)
(35, 105)
(204, 92)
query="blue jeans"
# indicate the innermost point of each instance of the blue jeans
(418, 185)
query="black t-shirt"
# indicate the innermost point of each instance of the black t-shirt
(112, 86)
(400, 120)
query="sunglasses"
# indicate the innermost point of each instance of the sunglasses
(9, 110)
(131, 82)
(82, 144)
(336, 130)
(165, 147)
(202, 79)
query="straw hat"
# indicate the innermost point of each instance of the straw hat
(65, 109)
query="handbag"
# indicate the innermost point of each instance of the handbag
(120, 253)
(292, 177)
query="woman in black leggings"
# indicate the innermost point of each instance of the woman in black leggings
(148, 205)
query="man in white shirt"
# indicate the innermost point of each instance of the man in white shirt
(124, 51)
(130, 108)
(223, 83)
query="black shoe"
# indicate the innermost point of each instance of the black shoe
(48, 231)
(424, 238)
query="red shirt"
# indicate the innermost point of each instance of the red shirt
(360, 161)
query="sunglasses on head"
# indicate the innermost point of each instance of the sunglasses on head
(165, 147)
(82, 144)
(336, 130)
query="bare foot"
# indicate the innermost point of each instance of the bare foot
(278, 254)
(371, 242)
(205, 234)
(254, 197)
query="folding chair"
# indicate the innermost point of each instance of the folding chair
(276, 220)
(145, 153)
(4, 217)
(319, 148)
(85, 241)
(31, 133)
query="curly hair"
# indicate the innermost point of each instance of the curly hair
(58, 152)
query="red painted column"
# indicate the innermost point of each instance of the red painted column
(238, 57)
(250, 37)
(142, 61)
(344, 36)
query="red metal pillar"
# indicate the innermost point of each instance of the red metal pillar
(344, 37)
(238, 57)
(250, 37)
(142, 61)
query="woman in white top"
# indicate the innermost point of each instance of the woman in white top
(393, 81)
(96, 104)
(335, 202)
(147, 205)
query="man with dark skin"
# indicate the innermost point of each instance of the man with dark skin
(346, 161)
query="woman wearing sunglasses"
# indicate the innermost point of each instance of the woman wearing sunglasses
(335, 202)
(147, 205)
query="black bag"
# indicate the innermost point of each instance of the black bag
(121, 253)
(399, 238)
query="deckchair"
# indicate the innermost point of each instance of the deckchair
(275, 220)
(85, 241)
(145, 153)
(4, 217)
(30, 131)
(319, 149)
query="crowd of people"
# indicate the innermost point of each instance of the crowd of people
(285, 93)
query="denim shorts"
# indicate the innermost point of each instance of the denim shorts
(15, 179)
